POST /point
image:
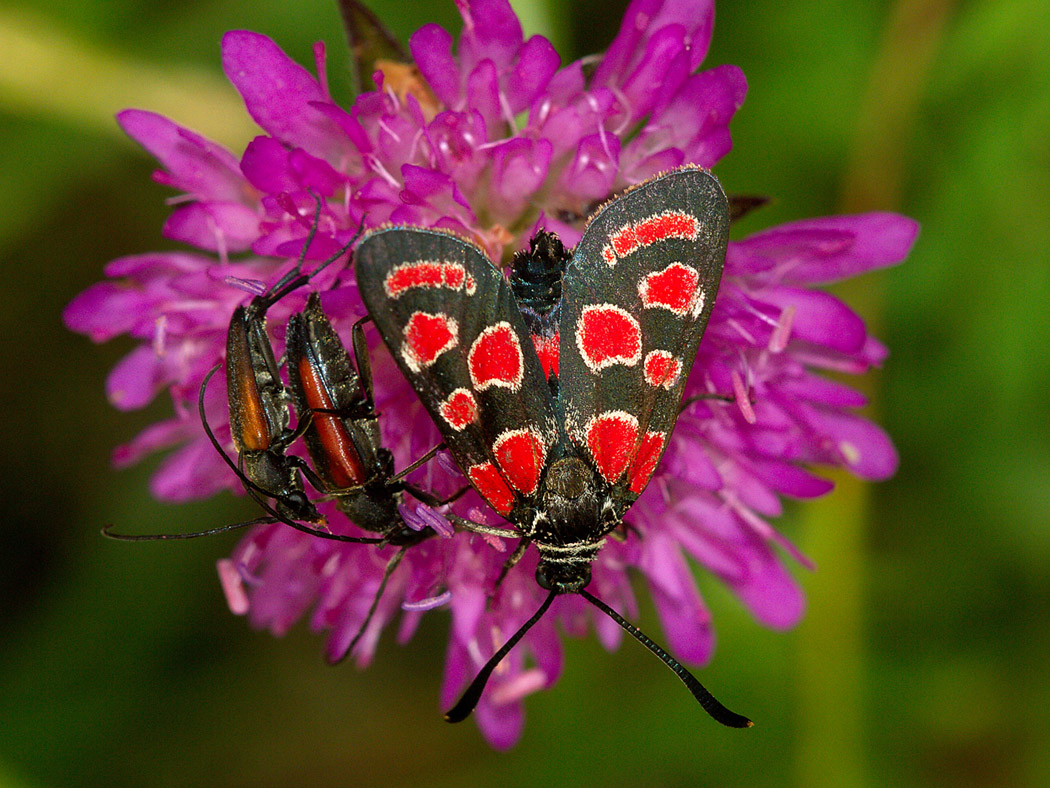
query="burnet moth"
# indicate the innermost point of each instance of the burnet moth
(562, 464)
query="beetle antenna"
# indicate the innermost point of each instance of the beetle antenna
(711, 705)
(470, 698)
(108, 532)
(391, 565)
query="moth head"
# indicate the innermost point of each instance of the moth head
(563, 577)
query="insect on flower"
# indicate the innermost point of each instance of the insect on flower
(336, 418)
(336, 409)
(562, 463)
(260, 413)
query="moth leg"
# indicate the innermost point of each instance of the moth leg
(418, 463)
(481, 528)
(432, 500)
(514, 557)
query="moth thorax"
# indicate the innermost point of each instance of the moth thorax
(536, 274)
(569, 478)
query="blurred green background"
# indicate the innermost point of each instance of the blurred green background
(923, 660)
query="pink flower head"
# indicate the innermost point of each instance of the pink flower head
(495, 138)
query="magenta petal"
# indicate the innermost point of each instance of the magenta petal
(594, 169)
(864, 447)
(265, 165)
(642, 20)
(483, 89)
(431, 48)
(819, 318)
(136, 379)
(501, 725)
(200, 167)
(538, 63)
(104, 310)
(664, 63)
(277, 92)
(706, 103)
(156, 437)
(491, 31)
(217, 227)
(788, 479)
(814, 388)
(685, 619)
(686, 462)
(770, 592)
(519, 168)
(826, 249)
(194, 471)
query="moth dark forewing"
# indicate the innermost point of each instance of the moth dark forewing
(449, 318)
(637, 296)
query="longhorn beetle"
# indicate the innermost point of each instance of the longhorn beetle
(562, 464)
(260, 413)
(335, 403)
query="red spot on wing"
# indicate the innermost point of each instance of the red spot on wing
(624, 241)
(671, 224)
(662, 369)
(674, 288)
(425, 273)
(631, 237)
(608, 335)
(427, 336)
(521, 455)
(547, 351)
(611, 438)
(495, 358)
(645, 461)
(459, 409)
(487, 481)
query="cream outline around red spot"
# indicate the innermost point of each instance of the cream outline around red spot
(447, 405)
(408, 353)
(514, 384)
(507, 435)
(627, 361)
(661, 355)
(486, 478)
(650, 459)
(627, 236)
(691, 307)
(621, 416)
(444, 268)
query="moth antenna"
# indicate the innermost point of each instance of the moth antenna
(711, 705)
(470, 698)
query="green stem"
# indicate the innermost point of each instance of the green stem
(832, 669)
